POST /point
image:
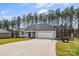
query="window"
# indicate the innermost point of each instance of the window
(22, 33)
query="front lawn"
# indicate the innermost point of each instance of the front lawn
(9, 40)
(67, 49)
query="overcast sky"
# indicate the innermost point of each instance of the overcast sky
(8, 10)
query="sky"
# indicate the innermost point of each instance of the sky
(8, 10)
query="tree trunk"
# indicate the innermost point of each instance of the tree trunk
(78, 26)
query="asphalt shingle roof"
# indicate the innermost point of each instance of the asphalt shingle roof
(40, 27)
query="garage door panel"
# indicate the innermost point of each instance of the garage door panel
(44, 34)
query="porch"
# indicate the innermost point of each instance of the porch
(30, 34)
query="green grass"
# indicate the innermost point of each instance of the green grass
(67, 49)
(10, 40)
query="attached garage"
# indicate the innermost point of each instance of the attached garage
(45, 34)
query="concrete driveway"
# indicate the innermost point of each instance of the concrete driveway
(35, 47)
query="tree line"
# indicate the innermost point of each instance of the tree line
(65, 18)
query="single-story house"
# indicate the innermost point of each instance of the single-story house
(39, 31)
(4, 33)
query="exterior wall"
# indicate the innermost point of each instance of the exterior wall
(45, 34)
(5, 35)
(26, 34)
(54, 34)
(22, 35)
(40, 34)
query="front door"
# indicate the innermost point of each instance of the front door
(29, 34)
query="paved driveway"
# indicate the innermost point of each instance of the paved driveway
(35, 47)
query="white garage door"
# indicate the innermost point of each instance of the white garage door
(45, 34)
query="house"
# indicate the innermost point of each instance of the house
(39, 31)
(4, 33)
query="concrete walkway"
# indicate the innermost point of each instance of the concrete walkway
(35, 47)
